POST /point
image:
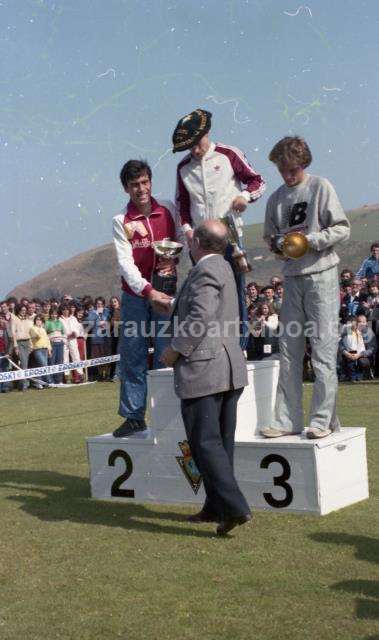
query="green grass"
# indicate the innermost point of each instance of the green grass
(73, 568)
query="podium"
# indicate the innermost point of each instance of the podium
(290, 474)
(255, 404)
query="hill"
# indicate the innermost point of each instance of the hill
(94, 272)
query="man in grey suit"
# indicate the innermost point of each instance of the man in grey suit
(210, 373)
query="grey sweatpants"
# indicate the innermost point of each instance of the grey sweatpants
(310, 309)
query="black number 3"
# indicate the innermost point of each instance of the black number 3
(115, 490)
(279, 481)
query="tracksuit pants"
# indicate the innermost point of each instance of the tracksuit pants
(310, 309)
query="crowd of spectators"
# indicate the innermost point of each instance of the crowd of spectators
(37, 332)
(358, 355)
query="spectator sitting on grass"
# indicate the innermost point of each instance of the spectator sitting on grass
(351, 300)
(364, 306)
(369, 339)
(370, 266)
(357, 352)
(373, 296)
(263, 339)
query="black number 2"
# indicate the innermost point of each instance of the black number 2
(279, 481)
(115, 490)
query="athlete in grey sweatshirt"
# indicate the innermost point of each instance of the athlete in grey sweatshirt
(308, 204)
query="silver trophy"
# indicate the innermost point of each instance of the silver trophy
(234, 224)
(167, 248)
(170, 250)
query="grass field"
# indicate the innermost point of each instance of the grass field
(73, 568)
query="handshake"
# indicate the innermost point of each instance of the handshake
(160, 301)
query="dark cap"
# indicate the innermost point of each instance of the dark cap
(190, 129)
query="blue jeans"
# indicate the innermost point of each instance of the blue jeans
(40, 357)
(56, 358)
(240, 283)
(138, 321)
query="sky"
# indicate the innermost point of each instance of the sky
(88, 84)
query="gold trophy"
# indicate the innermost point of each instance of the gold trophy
(292, 245)
(239, 256)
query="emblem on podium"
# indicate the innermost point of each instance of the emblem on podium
(188, 466)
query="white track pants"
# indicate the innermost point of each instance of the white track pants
(71, 351)
(310, 309)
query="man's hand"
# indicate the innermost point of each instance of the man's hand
(169, 356)
(239, 204)
(165, 266)
(189, 236)
(160, 301)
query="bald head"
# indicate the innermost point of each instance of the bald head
(211, 237)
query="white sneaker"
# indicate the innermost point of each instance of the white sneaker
(314, 433)
(270, 432)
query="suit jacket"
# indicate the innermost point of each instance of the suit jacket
(206, 332)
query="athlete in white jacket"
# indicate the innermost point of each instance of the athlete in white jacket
(213, 180)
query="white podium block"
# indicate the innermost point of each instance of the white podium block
(290, 474)
(304, 476)
(254, 409)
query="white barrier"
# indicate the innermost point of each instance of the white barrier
(24, 374)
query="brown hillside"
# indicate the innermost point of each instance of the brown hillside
(95, 272)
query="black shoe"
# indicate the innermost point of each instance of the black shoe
(129, 428)
(227, 525)
(202, 516)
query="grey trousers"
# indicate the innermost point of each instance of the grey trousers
(310, 309)
(24, 349)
